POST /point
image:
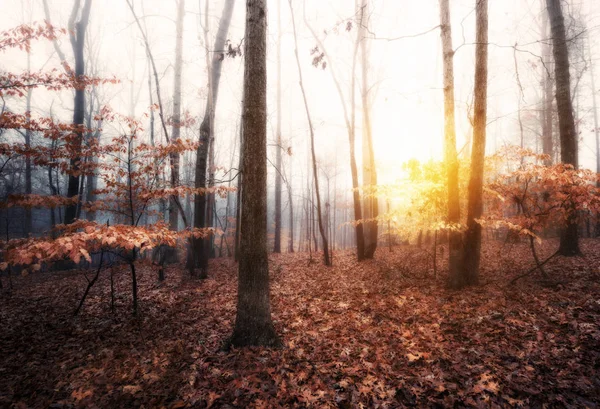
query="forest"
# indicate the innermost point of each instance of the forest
(303, 204)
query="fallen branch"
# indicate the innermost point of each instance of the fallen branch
(90, 284)
(538, 266)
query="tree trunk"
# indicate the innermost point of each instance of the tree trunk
(200, 248)
(28, 213)
(596, 128)
(253, 325)
(569, 238)
(547, 138)
(77, 42)
(469, 274)
(451, 157)
(278, 147)
(176, 129)
(326, 259)
(370, 201)
(351, 128)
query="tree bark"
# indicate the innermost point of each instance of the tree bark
(253, 325)
(451, 157)
(569, 237)
(77, 42)
(469, 274)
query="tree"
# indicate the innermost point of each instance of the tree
(469, 274)
(214, 65)
(370, 201)
(548, 85)
(596, 126)
(350, 121)
(77, 36)
(253, 325)
(326, 255)
(451, 158)
(278, 147)
(569, 238)
(176, 119)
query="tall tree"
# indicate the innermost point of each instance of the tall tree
(548, 85)
(322, 231)
(469, 274)
(371, 203)
(451, 157)
(350, 121)
(569, 238)
(277, 243)
(253, 325)
(596, 124)
(176, 130)
(201, 251)
(77, 30)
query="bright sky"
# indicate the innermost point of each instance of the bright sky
(405, 74)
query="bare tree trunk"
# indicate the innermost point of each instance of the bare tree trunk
(176, 129)
(28, 214)
(569, 238)
(370, 201)
(278, 147)
(77, 42)
(451, 157)
(596, 127)
(253, 325)
(326, 258)
(472, 241)
(547, 138)
(200, 250)
(351, 128)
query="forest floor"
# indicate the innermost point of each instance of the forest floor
(382, 333)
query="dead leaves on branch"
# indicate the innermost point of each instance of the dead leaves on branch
(82, 238)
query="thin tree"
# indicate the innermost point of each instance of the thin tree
(548, 85)
(451, 157)
(200, 248)
(569, 238)
(77, 30)
(176, 119)
(326, 258)
(469, 274)
(253, 325)
(277, 243)
(371, 203)
(350, 120)
(596, 125)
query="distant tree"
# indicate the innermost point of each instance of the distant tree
(322, 231)
(278, 147)
(77, 30)
(253, 325)
(469, 273)
(569, 238)
(214, 62)
(319, 54)
(176, 119)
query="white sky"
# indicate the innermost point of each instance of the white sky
(407, 94)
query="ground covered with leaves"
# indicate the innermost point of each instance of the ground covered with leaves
(383, 333)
